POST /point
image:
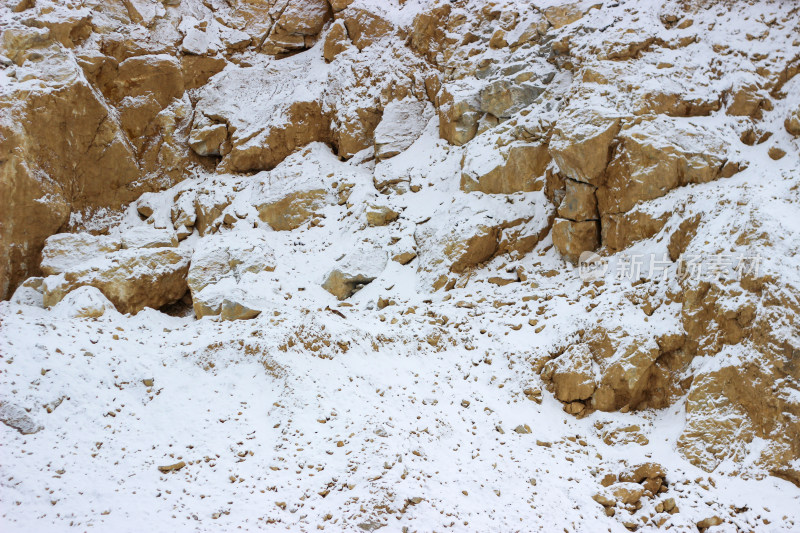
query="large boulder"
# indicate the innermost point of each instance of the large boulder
(401, 125)
(269, 113)
(744, 411)
(297, 26)
(657, 155)
(457, 238)
(581, 142)
(459, 113)
(356, 269)
(84, 302)
(515, 167)
(131, 279)
(608, 370)
(572, 238)
(55, 160)
(67, 251)
(294, 192)
(220, 264)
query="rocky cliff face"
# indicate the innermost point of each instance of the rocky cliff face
(431, 179)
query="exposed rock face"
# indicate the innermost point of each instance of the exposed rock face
(274, 126)
(380, 216)
(648, 164)
(459, 112)
(66, 251)
(517, 167)
(297, 27)
(218, 267)
(131, 279)
(446, 248)
(610, 370)
(573, 238)
(294, 193)
(595, 125)
(401, 124)
(581, 143)
(358, 268)
(792, 124)
(84, 302)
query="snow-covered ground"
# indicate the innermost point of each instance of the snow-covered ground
(391, 431)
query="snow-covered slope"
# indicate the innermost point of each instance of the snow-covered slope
(306, 265)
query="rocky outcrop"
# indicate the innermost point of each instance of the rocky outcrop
(296, 192)
(401, 124)
(516, 167)
(131, 278)
(356, 269)
(84, 302)
(648, 163)
(297, 27)
(218, 268)
(611, 370)
(447, 250)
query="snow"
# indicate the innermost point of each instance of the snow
(257, 408)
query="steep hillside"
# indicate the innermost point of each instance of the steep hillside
(409, 265)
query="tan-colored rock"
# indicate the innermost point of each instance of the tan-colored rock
(365, 27)
(572, 238)
(401, 124)
(86, 159)
(84, 302)
(359, 267)
(642, 472)
(235, 310)
(709, 522)
(29, 293)
(456, 238)
(197, 70)
(207, 140)
(274, 127)
(459, 112)
(498, 39)
(297, 27)
(729, 407)
(148, 237)
(518, 167)
(171, 468)
(619, 371)
(336, 41)
(293, 210)
(746, 102)
(503, 98)
(381, 216)
(627, 493)
(339, 5)
(404, 258)
(561, 15)
(792, 124)
(656, 156)
(620, 230)
(581, 143)
(572, 374)
(579, 203)
(429, 31)
(144, 86)
(67, 251)
(220, 266)
(775, 153)
(131, 279)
